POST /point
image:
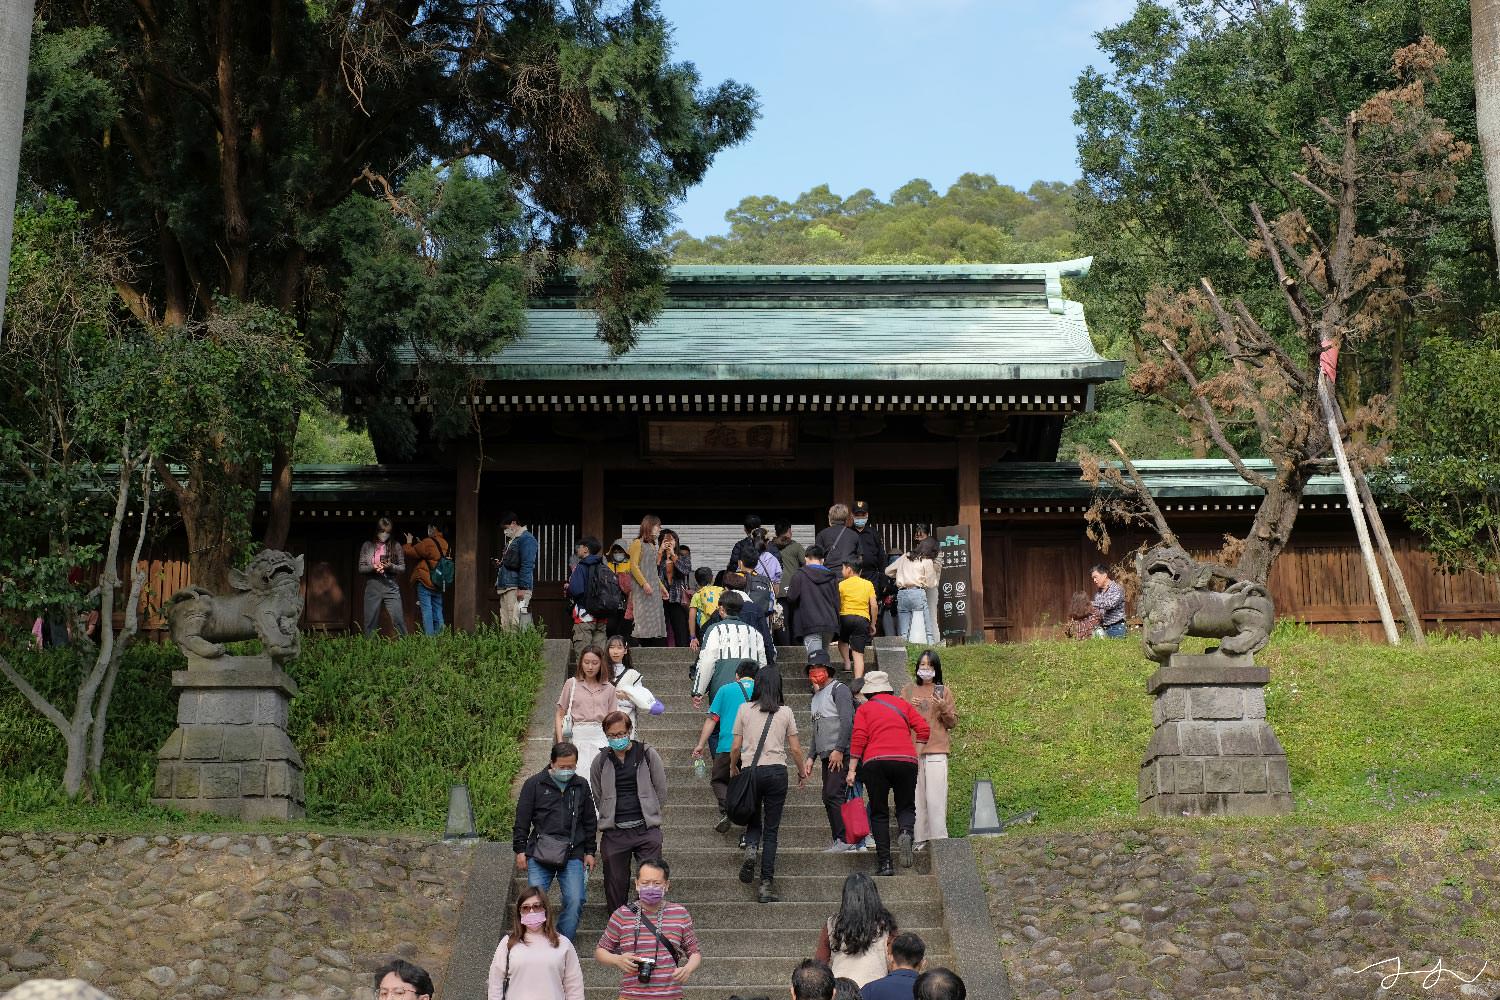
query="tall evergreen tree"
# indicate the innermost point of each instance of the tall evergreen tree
(391, 173)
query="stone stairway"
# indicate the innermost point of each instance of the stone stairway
(748, 947)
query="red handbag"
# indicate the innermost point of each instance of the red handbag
(856, 819)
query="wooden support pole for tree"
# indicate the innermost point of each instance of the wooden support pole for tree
(1392, 567)
(1398, 578)
(1351, 491)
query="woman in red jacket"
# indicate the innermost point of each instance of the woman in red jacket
(883, 754)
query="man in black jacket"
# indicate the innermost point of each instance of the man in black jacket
(814, 598)
(556, 809)
(869, 547)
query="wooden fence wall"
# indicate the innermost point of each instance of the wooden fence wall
(1033, 567)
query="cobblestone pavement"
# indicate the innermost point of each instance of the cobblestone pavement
(198, 917)
(1240, 911)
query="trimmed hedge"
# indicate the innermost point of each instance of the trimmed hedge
(384, 728)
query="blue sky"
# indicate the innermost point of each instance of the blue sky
(871, 93)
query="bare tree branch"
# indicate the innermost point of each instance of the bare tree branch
(1302, 313)
(1162, 527)
(34, 697)
(1211, 419)
(1308, 183)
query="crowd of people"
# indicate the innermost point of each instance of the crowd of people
(602, 797)
(831, 591)
(843, 589)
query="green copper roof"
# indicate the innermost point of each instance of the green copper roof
(943, 323)
(1166, 478)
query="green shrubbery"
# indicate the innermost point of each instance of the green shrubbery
(1369, 730)
(384, 729)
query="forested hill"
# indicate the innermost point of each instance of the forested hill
(978, 220)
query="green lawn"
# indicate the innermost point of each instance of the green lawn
(1369, 731)
(384, 729)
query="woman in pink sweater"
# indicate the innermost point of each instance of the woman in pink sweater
(534, 962)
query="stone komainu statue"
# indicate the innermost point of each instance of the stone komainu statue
(266, 605)
(1182, 597)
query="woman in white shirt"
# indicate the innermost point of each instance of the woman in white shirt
(916, 573)
(631, 693)
(534, 962)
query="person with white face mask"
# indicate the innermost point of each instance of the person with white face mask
(382, 563)
(934, 699)
(515, 571)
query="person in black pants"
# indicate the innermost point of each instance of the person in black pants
(832, 722)
(765, 731)
(883, 756)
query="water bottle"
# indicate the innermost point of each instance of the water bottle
(700, 769)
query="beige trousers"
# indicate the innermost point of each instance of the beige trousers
(932, 797)
(510, 609)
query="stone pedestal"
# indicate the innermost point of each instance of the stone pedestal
(230, 753)
(1212, 751)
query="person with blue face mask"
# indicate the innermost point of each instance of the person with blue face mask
(554, 833)
(630, 786)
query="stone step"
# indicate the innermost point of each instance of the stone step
(694, 890)
(771, 942)
(773, 981)
(791, 860)
(683, 813)
(652, 656)
(725, 973)
(739, 911)
(805, 830)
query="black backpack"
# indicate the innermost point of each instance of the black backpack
(602, 595)
(758, 589)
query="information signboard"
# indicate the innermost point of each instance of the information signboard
(955, 610)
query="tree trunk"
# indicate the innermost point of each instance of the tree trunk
(78, 757)
(207, 516)
(15, 51)
(1484, 20)
(279, 523)
(1272, 527)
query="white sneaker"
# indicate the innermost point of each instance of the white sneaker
(869, 843)
(837, 847)
(920, 847)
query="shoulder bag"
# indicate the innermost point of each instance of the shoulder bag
(505, 983)
(887, 705)
(672, 949)
(740, 801)
(567, 730)
(550, 850)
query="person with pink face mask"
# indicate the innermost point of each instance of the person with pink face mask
(651, 941)
(534, 961)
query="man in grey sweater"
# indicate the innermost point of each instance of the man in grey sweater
(832, 725)
(630, 787)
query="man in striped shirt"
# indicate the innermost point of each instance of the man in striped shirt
(724, 645)
(651, 941)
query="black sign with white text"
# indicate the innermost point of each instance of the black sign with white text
(954, 610)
